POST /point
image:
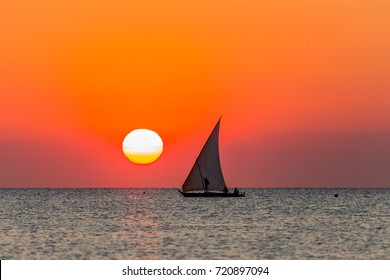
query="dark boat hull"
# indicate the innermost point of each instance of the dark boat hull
(211, 194)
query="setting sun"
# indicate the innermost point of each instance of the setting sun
(142, 146)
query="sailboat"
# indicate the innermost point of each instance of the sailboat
(206, 178)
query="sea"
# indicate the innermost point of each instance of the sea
(267, 224)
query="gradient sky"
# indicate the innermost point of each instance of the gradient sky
(303, 87)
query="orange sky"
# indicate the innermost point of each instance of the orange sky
(303, 88)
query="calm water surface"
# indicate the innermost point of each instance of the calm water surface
(161, 224)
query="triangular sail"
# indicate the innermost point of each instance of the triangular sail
(207, 165)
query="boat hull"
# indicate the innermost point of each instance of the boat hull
(211, 194)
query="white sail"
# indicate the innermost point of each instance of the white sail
(207, 165)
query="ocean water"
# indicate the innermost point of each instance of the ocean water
(161, 224)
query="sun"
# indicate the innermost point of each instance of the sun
(142, 146)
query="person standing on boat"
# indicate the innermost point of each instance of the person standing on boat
(236, 192)
(206, 183)
(225, 190)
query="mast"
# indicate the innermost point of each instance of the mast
(200, 172)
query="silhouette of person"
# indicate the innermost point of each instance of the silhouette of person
(236, 191)
(225, 190)
(206, 183)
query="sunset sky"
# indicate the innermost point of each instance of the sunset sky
(303, 88)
